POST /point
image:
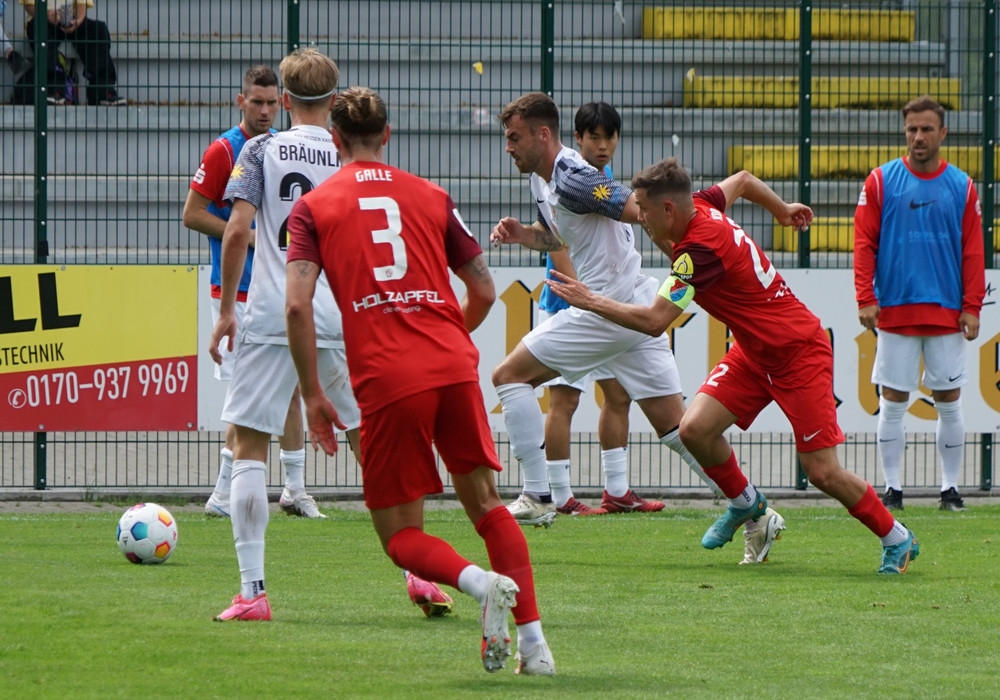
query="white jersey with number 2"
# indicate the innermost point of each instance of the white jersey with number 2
(272, 172)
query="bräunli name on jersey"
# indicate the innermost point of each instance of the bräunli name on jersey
(304, 154)
(373, 175)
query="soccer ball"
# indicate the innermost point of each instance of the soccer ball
(147, 534)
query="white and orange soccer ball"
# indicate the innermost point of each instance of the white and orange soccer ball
(147, 534)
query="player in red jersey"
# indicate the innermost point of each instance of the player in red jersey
(385, 240)
(781, 353)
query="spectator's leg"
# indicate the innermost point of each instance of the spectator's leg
(93, 42)
(54, 86)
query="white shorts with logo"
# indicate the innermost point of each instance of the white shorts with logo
(224, 372)
(897, 361)
(264, 380)
(575, 343)
(599, 374)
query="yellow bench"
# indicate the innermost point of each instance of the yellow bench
(839, 162)
(827, 93)
(747, 23)
(834, 234)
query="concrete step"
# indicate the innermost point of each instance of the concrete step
(840, 162)
(742, 23)
(826, 93)
(834, 234)
(440, 141)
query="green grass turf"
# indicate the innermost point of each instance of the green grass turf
(631, 605)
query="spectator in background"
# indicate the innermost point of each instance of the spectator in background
(919, 276)
(18, 63)
(68, 21)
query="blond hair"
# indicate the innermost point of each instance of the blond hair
(308, 76)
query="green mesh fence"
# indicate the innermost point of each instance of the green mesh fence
(805, 95)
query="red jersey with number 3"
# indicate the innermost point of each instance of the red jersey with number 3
(386, 239)
(736, 283)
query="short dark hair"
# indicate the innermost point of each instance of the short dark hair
(597, 114)
(924, 103)
(664, 178)
(536, 108)
(261, 75)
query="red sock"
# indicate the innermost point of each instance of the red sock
(508, 552)
(872, 513)
(728, 476)
(428, 557)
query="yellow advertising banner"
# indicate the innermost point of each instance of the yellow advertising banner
(91, 347)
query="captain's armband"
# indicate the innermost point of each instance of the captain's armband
(677, 292)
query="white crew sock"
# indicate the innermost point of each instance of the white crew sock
(891, 440)
(950, 441)
(559, 481)
(529, 635)
(673, 441)
(248, 511)
(294, 462)
(526, 432)
(897, 534)
(473, 581)
(225, 473)
(614, 464)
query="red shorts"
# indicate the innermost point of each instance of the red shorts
(399, 464)
(803, 389)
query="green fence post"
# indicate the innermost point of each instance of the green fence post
(548, 40)
(294, 10)
(41, 185)
(987, 198)
(805, 156)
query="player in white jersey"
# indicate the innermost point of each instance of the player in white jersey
(273, 170)
(582, 209)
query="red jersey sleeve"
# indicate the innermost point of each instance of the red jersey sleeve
(460, 245)
(867, 227)
(973, 256)
(303, 239)
(213, 173)
(713, 196)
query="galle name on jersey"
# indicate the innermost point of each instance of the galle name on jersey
(373, 175)
(414, 296)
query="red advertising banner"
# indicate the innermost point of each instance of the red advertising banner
(86, 348)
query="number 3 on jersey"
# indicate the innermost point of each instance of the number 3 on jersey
(391, 235)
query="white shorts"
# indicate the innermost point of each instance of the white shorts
(264, 380)
(897, 361)
(575, 342)
(599, 374)
(224, 372)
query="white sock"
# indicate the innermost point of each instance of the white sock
(745, 499)
(249, 514)
(891, 440)
(614, 464)
(526, 432)
(294, 462)
(559, 481)
(529, 636)
(673, 441)
(950, 441)
(896, 535)
(225, 473)
(473, 581)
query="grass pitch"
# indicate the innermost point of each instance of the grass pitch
(632, 607)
